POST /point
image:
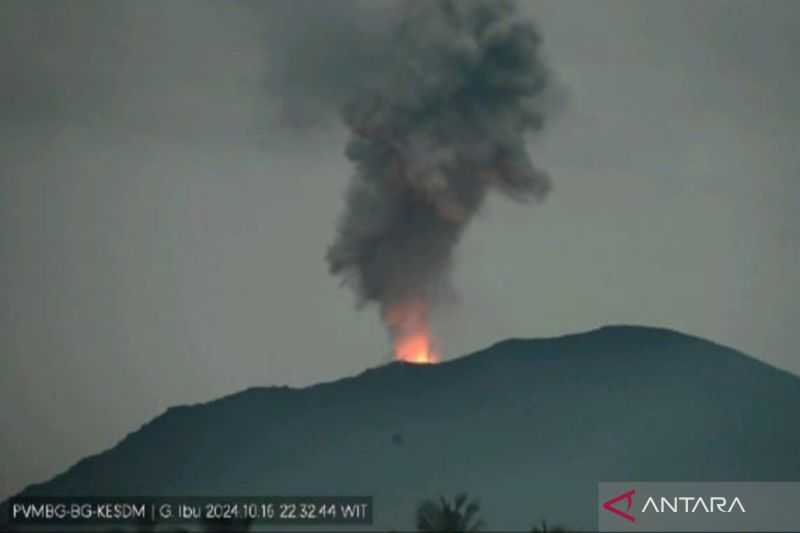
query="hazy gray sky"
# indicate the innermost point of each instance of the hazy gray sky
(163, 227)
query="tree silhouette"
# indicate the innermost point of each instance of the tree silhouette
(443, 515)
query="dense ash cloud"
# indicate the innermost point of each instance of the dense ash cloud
(438, 97)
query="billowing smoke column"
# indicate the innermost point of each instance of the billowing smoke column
(441, 123)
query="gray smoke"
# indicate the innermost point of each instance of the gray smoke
(438, 102)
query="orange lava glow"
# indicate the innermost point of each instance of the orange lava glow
(411, 334)
(415, 349)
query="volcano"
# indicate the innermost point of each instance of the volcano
(528, 427)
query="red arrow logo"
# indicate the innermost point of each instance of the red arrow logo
(628, 497)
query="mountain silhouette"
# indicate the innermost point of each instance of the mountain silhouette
(526, 426)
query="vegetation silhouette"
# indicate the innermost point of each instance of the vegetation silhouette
(459, 515)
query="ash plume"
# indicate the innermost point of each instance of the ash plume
(438, 103)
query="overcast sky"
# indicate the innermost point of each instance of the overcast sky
(163, 226)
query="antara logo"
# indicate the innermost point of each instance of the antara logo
(628, 497)
(675, 504)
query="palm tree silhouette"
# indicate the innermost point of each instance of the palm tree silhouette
(446, 516)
